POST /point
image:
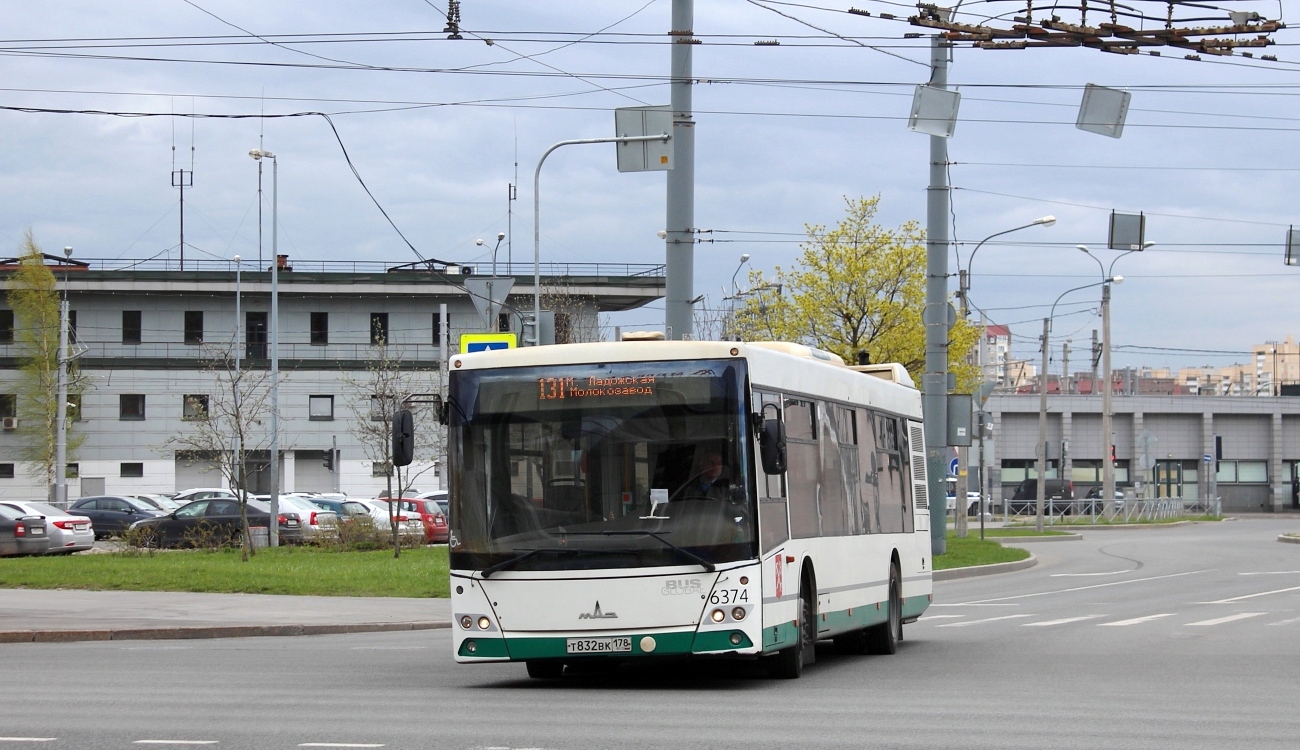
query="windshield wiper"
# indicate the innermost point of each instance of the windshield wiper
(510, 563)
(682, 551)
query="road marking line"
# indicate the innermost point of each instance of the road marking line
(1271, 573)
(1094, 586)
(1084, 575)
(1286, 622)
(1252, 596)
(176, 742)
(977, 622)
(28, 739)
(1045, 623)
(1221, 620)
(973, 604)
(1134, 621)
(940, 617)
(340, 744)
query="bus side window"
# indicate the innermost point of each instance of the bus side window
(890, 481)
(832, 504)
(850, 471)
(868, 471)
(803, 472)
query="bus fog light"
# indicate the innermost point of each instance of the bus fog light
(484, 623)
(466, 622)
(718, 615)
(735, 639)
(471, 646)
(738, 613)
(648, 644)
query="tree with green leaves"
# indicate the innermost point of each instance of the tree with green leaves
(858, 287)
(34, 298)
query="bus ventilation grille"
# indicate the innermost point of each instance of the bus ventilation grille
(920, 488)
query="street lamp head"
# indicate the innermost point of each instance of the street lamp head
(67, 251)
(1117, 279)
(661, 234)
(1082, 248)
(1046, 221)
(1148, 243)
(258, 154)
(501, 236)
(236, 258)
(744, 257)
(479, 242)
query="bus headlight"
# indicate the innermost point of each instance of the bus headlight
(736, 639)
(471, 646)
(738, 613)
(466, 622)
(718, 615)
(484, 623)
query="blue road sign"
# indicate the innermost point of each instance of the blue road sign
(952, 468)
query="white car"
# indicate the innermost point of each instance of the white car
(202, 493)
(407, 525)
(972, 503)
(68, 533)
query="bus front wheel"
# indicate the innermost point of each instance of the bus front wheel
(788, 663)
(545, 669)
(884, 638)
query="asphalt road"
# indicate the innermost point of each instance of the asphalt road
(1171, 638)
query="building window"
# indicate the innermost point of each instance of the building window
(132, 470)
(194, 407)
(72, 326)
(6, 326)
(320, 408)
(72, 471)
(132, 331)
(6, 471)
(74, 407)
(8, 405)
(1242, 472)
(131, 406)
(320, 328)
(378, 329)
(194, 326)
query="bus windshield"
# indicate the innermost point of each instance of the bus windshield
(619, 465)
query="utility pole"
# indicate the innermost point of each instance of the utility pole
(679, 226)
(1107, 427)
(934, 383)
(59, 491)
(1042, 428)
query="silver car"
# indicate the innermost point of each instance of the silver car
(317, 522)
(67, 533)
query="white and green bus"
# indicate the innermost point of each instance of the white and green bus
(659, 498)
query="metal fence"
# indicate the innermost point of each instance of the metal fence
(1129, 510)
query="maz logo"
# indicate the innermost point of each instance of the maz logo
(596, 614)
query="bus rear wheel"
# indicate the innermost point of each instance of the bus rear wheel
(788, 663)
(545, 669)
(883, 638)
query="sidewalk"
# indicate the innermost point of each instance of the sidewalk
(33, 615)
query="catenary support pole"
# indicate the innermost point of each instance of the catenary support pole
(934, 383)
(1042, 428)
(274, 523)
(679, 225)
(1107, 419)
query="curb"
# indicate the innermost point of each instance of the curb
(1289, 538)
(222, 631)
(1070, 537)
(985, 570)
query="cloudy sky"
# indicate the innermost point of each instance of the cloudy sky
(439, 128)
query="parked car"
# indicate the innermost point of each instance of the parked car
(113, 514)
(317, 523)
(972, 503)
(1025, 499)
(220, 516)
(202, 493)
(67, 533)
(432, 517)
(407, 526)
(344, 508)
(21, 533)
(161, 502)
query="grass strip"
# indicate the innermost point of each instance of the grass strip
(974, 551)
(1004, 532)
(419, 572)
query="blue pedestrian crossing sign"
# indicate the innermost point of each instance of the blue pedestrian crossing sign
(486, 342)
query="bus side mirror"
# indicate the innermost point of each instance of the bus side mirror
(771, 445)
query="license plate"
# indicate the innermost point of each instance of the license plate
(81, 526)
(598, 645)
(38, 531)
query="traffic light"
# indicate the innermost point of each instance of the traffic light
(328, 461)
(1112, 454)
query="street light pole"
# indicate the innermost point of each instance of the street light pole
(274, 523)
(1042, 402)
(59, 493)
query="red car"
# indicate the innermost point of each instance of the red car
(431, 515)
